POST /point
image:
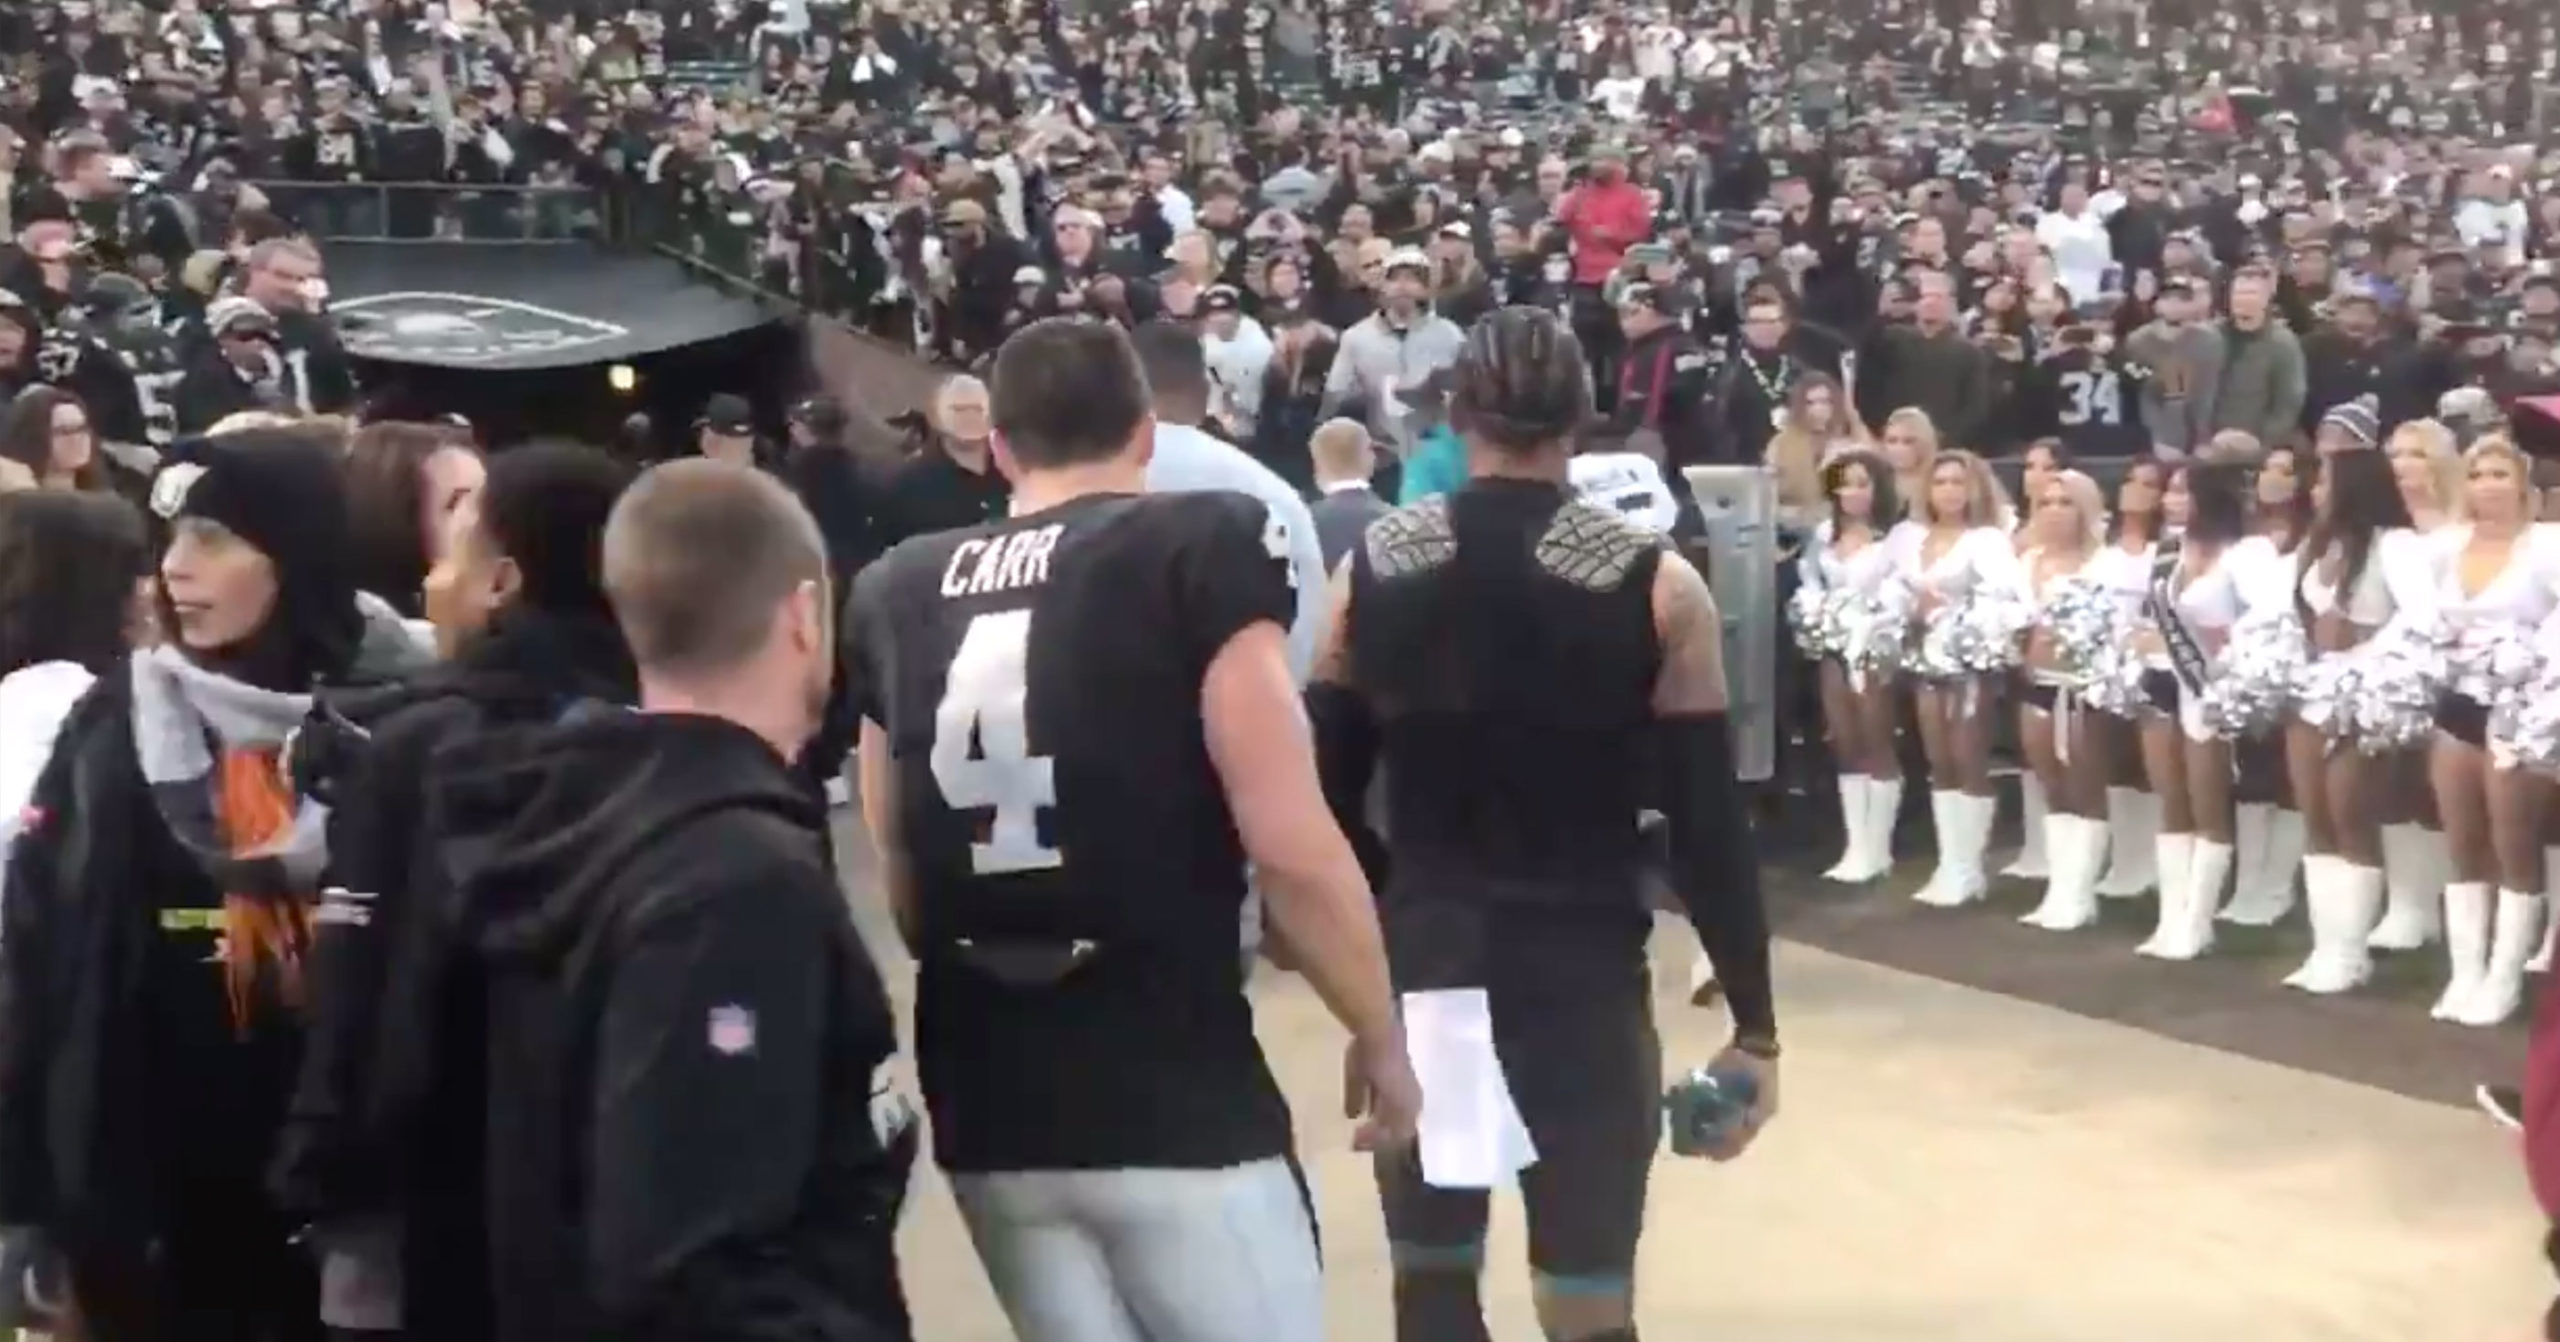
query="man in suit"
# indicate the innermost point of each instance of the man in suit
(1344, 461)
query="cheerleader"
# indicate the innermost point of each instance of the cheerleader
(1957, 544)
(1910, 446)
(1814, 429)
(2044, 459)
(2188, 614)
(2268, 834)
(2358, 568)
(1849, 554)
(2497, 579)
(2133, 814)
(2428, 469)
(2067, 531)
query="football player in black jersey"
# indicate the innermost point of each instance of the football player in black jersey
(1534, 671)
(1078, 724)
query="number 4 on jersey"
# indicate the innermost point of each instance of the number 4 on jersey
(1275, 542)
(982, 756)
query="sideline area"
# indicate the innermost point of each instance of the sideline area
(1953, 1163)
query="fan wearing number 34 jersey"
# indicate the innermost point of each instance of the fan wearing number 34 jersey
(1078, 725)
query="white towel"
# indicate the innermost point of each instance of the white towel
(1472, 1135)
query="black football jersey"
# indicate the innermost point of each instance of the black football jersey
(2093, 404)
(1039, 682)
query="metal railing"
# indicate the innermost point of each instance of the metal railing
(431, 212)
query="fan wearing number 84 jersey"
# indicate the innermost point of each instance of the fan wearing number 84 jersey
(1078, 724)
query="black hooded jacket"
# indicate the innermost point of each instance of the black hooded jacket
(363, 1137)
(692, 1132)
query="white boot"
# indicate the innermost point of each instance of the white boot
(2501, 988)
(2268, 896)
(1946, 883)
(2467, 914)
(2541, 961)
(1962, 841)
(1884, 807)
(2074, 847)
(2175, 858)
(2206, 871)
(2344, 907)
(2250, 822)
(2319, 874)
(2413, 864)
(1853, 826)
(2034, 855)
(2133, 828)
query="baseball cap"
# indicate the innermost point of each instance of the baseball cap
(239, 316)
(727, 414)
(1407, 258)
(822, 413)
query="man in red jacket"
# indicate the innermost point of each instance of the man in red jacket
(1603, 217)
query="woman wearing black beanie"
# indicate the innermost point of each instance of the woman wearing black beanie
(151, 956)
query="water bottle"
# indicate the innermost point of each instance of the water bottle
(1705, 1106)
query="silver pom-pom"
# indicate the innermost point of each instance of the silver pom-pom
(1812, 614)
(2254, 677)
(2325, 691)
(2087, 622)
(2493, 663)
(1869, 634)
(2114, 685)
(1975, 636)
(2530, 734)
(2402, 671)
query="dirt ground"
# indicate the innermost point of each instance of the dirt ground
(1995, 1134)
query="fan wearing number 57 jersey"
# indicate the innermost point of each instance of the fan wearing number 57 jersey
(1078, 725)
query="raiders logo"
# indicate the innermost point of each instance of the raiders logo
(464, 329)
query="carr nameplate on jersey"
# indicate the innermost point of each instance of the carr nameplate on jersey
(1040, 681)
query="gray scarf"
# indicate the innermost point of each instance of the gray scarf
(183, 715)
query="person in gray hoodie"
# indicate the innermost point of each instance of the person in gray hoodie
(2183, 357)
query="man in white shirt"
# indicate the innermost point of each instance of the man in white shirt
(2492, 218)
(1238, 351)
(2077, 240)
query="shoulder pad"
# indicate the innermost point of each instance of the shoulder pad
(1593, 548)
(1411, 539)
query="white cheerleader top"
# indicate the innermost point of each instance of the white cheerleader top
(1871, 569)
(2398, 580)
(2205, 601)
(2524, 593)
(2261, 575)
(2127, 573)
(1981, 555)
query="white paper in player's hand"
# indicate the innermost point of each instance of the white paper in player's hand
(1471, 1135)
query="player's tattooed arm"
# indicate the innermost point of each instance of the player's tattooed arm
(1691, 632)
(1346, 733)
(1715, 866)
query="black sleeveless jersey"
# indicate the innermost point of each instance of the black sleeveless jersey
(1504, 636)
(1039, 682)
